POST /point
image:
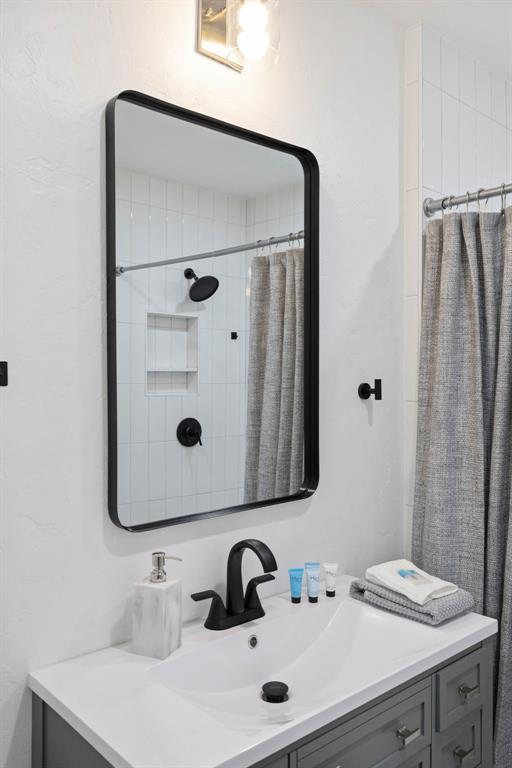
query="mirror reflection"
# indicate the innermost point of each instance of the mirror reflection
(209, 318)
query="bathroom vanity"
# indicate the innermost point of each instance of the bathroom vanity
(367, 689)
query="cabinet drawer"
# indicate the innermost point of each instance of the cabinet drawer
(460, 689)
(281, 762)
(461, 746)
(387, 740)
(419, 761)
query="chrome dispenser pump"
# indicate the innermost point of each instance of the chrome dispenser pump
(159, 574)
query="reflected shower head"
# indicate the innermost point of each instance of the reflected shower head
(202, 287)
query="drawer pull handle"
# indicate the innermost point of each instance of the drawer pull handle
(462, 754)
(407, 736)
(467, 693)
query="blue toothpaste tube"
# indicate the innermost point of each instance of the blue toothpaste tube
(296, 575)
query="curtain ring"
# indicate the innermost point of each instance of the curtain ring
(467, 202)
(503, 198)
(478, 192)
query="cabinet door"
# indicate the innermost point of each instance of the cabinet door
(387, 740)
(461, 688)
(461, 745)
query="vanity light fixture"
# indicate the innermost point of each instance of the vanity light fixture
(253, 38)
(240, 33)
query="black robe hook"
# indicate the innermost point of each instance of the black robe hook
(365, 391)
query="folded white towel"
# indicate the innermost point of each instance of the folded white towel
(404, 577)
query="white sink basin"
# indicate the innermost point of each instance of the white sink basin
(321, 651)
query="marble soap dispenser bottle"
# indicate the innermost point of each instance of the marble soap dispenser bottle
(157, 611)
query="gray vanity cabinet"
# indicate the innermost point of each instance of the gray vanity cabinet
(55, 744)
(441, 720)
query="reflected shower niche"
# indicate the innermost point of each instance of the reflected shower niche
(212, 316)
(171, 344)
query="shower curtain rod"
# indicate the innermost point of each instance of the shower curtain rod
(431, 206)
(213, 254)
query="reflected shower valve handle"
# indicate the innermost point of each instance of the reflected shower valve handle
(365, 390)
(189, 432)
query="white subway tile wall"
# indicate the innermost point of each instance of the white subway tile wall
(458, 138)
(466, 118)
(161, 333)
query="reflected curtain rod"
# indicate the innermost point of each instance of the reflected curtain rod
(213, 254)
(431, 206)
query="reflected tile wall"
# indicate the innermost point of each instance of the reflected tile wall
(160, 219)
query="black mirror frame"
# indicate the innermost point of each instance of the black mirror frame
(311, 304)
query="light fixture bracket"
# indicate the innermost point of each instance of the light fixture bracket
(213, 33)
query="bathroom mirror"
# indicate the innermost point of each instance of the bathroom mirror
(212, 316)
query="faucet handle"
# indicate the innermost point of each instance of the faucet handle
(217, 613)
(252, 599)
(197, 596)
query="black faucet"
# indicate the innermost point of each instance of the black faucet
(239, 608)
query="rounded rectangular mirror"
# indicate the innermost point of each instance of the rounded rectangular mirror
(212, 252)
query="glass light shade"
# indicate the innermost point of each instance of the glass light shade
(253, 32)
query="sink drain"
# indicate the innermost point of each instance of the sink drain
(274, 692)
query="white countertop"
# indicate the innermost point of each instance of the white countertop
(114, 699)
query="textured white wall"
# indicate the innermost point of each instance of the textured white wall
(67, 572)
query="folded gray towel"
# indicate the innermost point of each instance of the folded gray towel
(433, 612)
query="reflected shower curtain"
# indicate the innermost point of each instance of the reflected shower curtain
(275, 396)
(462, 526)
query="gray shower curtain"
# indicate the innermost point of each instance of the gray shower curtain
(462, 525)
(275, 397)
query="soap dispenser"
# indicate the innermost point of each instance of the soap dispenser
(157, 611)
